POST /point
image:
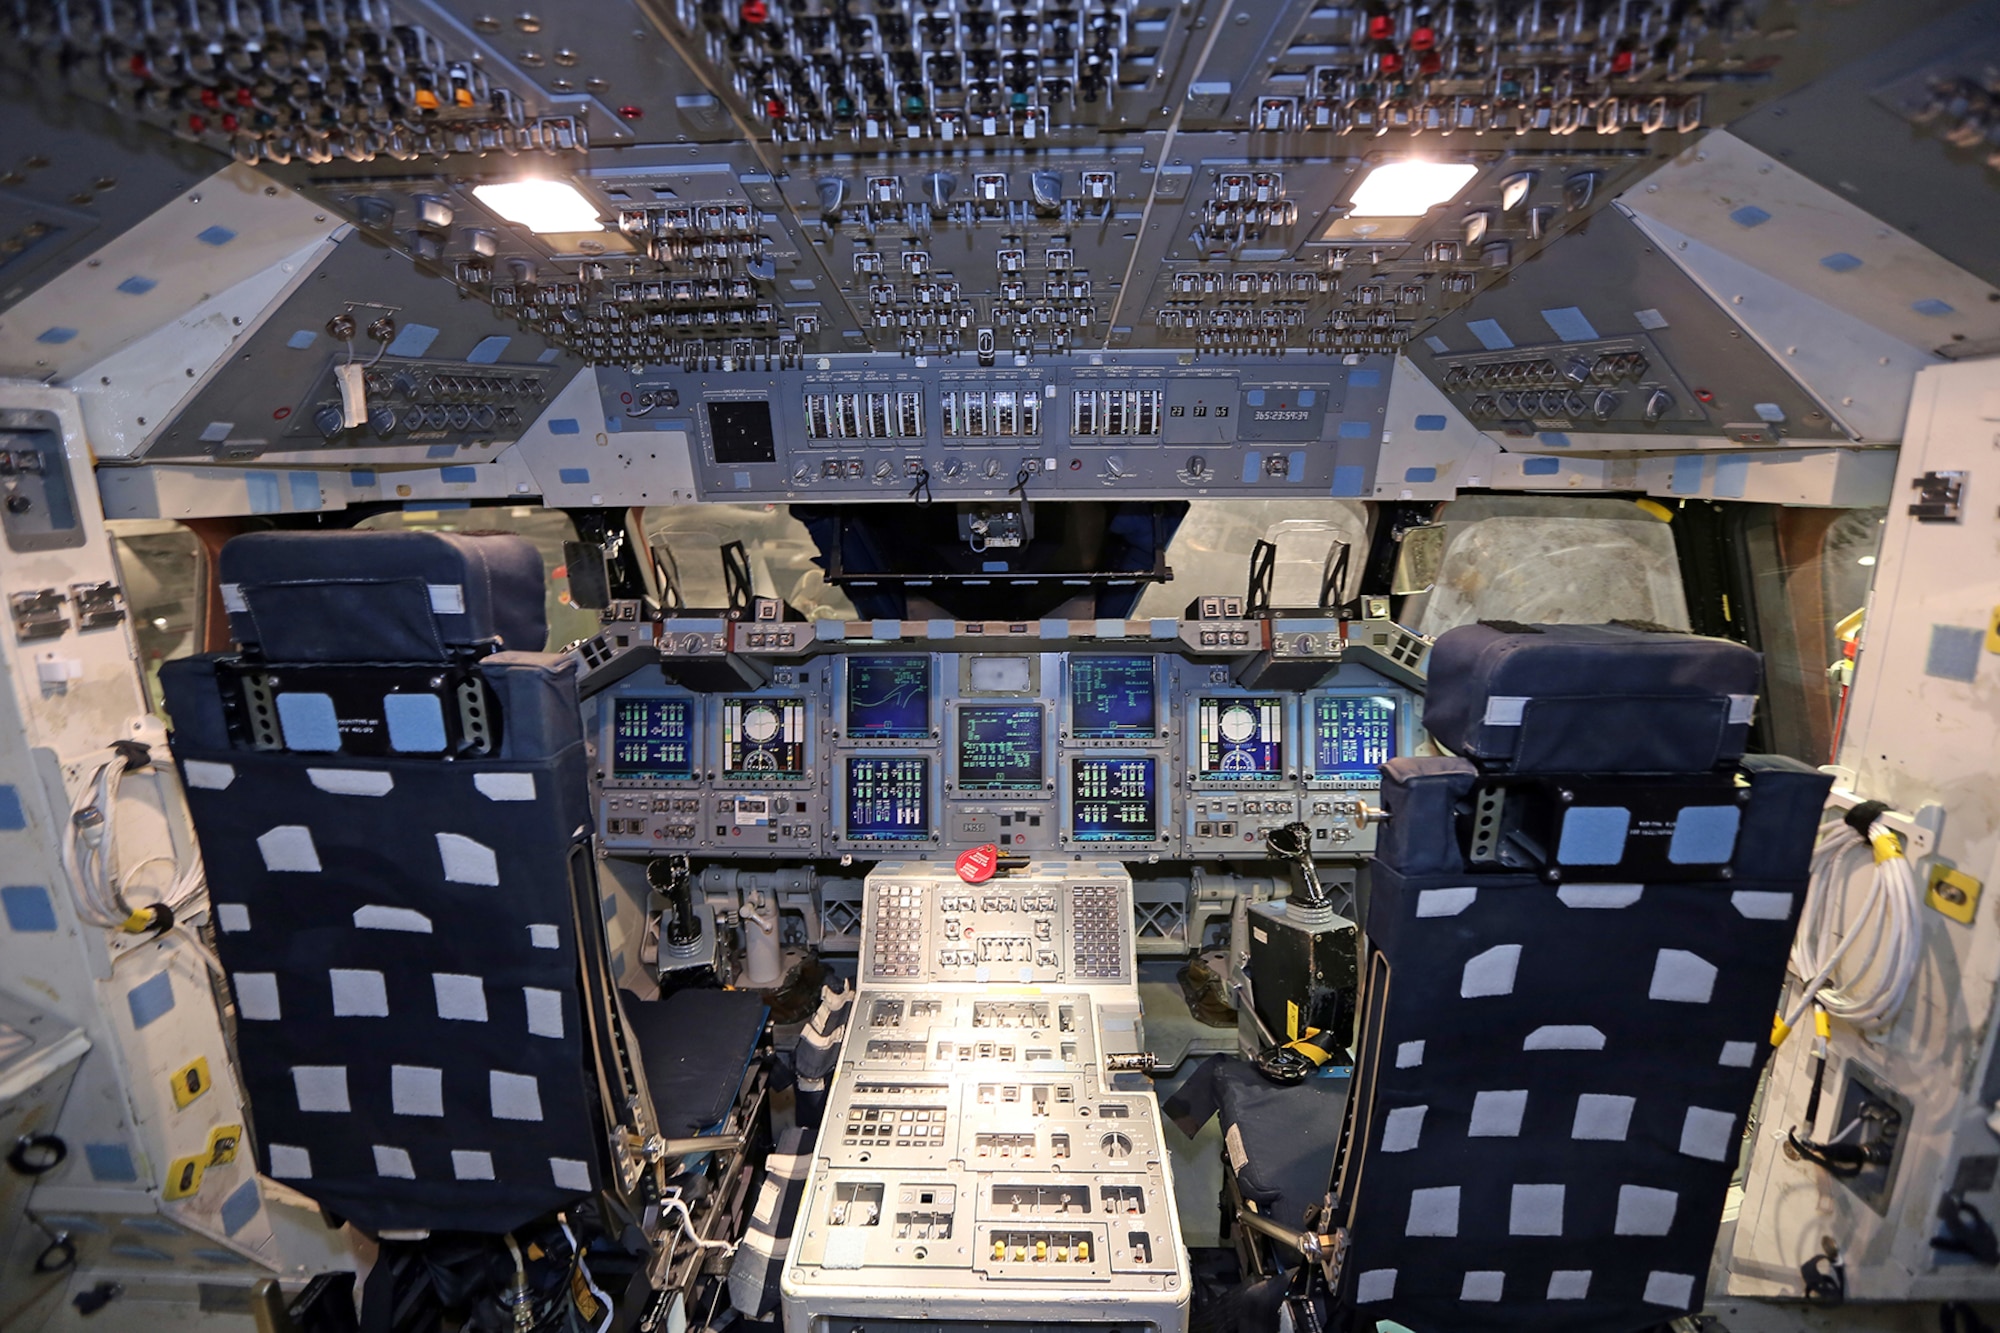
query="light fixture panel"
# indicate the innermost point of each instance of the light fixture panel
(542, 206)
(1409, 189)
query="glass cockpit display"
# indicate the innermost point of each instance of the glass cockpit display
(653, 739)
(1113, 799)
(763, 738)
(1353, 736)
(1240, 738)
(888, 698)
(888, 798)
(1111, 698)
(1000, 748)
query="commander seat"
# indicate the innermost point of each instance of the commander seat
(1576, 938)
(388, 781)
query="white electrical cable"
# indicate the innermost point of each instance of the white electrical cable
(90, 854)
(1867, 993)
(687, 1227)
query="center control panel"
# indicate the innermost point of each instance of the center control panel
(974, 1138)
(880, 750)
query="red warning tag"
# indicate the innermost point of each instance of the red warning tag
(977, 865)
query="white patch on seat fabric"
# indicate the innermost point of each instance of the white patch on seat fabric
(289, 847)
(447, 599)
(1599, 897)
(377, 917)
(1482, 1284)
(352, 781)
(467, 1165)
(234, 918)
(1490, 973)
(1536, 1210)
(1433, 1212)
(1409, 1054)
(1497, 1115)
(1505, 710)
(257, 996)
(460, 997)
(515, 1096)
(416, 1090)
(1377, 1284)
(505, 786)
(1738, 1054)
(1569, 1284)
(290, 1163)
(321, 1087)
(394, 1163)
(1681, 977)
(542, 935)
(1706, 1134)
(466, 861)
(1564, 1037)
(1670, 1289)
(232, 598)
(1445, 902)
(545, 1011)
(1742, 709)
(1403, 1128)
(207, 774)
(1232, 1143)
(569, 1173)
(1644, 1211)
(1762, 904)
(1604, 1117)
(358, 993)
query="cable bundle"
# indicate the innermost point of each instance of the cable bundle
(1868, 992)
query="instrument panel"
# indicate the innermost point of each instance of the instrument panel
(877, 751)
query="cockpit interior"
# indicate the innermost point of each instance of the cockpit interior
(970, 666)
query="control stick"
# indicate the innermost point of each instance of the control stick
(672, 880)
(1293, 842)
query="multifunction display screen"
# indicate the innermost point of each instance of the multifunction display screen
(1113, 800)
(1240, 738)
(889, 698)
(653, 739)
(763, 738)
(1111, 698)
(1000, 748)
(888, 798)
(1353, 735)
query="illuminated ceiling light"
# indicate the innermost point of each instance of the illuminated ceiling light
(1866, 560)
(541, 206)
(1409, 189)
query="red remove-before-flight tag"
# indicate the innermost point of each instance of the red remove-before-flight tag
(977, 866)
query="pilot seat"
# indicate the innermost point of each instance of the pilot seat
(390, 786)
(1576, 937)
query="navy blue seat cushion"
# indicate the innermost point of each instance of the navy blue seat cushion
(696, 1045)
(401, 938)
(1555, 1078)
(381, 596)
(1280, 1140)
(1601, 699)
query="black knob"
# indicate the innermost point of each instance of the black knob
(18, 503)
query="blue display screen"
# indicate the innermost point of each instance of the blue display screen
(1113, 800)
(652, 738)
(889, 697)
(1240, 738)
(1353, 736)
(1000, 748)
(1111, 698)
(888, 798)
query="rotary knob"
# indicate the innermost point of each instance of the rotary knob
(328, 421)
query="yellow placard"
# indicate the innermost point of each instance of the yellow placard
(184, 1176)
(1291, 1020)
(190, 1081)
(223, 1141)
(1993, 631)
(1954, 893)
